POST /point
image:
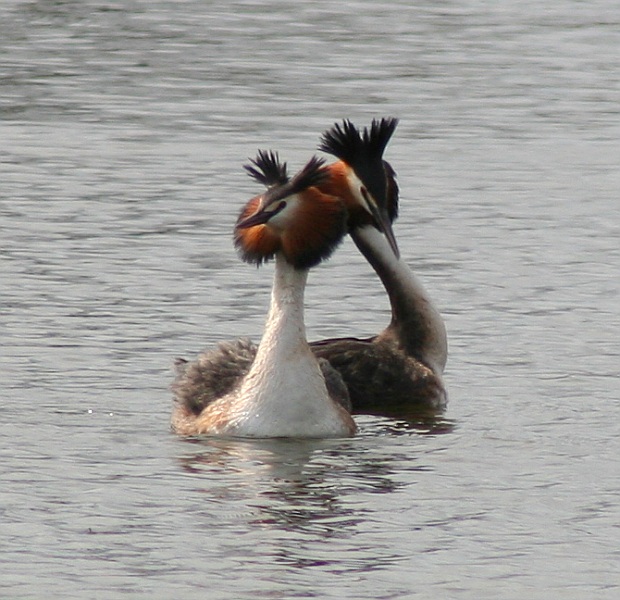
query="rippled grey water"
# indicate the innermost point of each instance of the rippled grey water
(124, 125)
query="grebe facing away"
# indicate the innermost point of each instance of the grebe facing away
(398, 371)
(284, 393)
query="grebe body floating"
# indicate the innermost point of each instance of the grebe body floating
(285, 392)
(399, 370)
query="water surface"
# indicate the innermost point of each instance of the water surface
(124, 126)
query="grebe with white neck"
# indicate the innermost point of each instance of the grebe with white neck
(398, 371)
(284, 393)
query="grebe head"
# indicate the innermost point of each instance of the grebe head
(293, 217)
(366, 182)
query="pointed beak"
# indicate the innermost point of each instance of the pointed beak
(267, 209)
(382, 221)
(259, 218)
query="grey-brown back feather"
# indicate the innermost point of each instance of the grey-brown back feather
(368, 376)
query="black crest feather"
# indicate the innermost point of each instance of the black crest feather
(359, 149)
(363, 152)
(313, 173)
(267, 169)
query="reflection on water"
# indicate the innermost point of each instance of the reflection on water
(296, 461)
(300, 469)
(307, 501)
(283, 483)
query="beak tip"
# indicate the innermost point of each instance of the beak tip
(394, 247)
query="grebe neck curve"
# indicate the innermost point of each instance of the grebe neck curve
(416, 325)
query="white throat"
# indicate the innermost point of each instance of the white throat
(285, 332)
(284, 393)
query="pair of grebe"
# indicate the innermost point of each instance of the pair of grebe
(286, 387)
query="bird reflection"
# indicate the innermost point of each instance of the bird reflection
(304, 485)
(291, 482)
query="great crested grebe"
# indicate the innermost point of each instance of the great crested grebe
(395, 372)
(284, 393)
(400, 368)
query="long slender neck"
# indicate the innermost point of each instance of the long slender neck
(284, 330)
(284, 393)
(416, 324)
